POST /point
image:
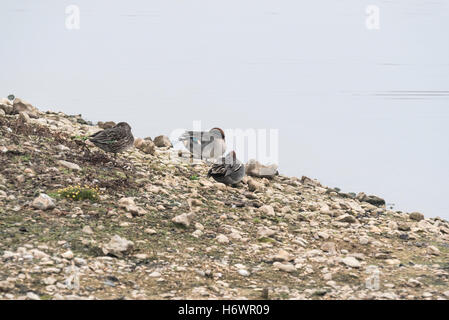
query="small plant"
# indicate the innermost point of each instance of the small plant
(26, 158)
(82, 138)
(79, 193)
(194, 177)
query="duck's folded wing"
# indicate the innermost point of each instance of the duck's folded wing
(191, 135)
(219, 170)
(224, 169)
(107, 136)
(236, 167)
(197, 137)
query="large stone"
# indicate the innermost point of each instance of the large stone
(20, 105)
(221, 238)
(282, 256)
(118, 246)
(346, 218)
(286, 267)
(264, 232)
(129, 205)
(416, 216)
(374, 200)
(254, 185)
(146, 146)
(351, 262)
(183, 219)
(5, 101)
(106, 125)
(329, 247)
(433, 250)
(6, 286)
(23, 118)
(162, 141)
(7, 108)
(87, 230)
(69, 165)
(256, 169)
(43, 202)
(267, 210)
(403, 227)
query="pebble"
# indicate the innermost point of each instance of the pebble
(433, 250)
(351, 262)
(154, 274)
(43, 202)
(346, 218)
(87, 230)
(417, 216)
(69, 165)
(243, 272)
(118, 246)
(67, 255)
(221, 238)
(150, 231)
(263, 232)
(32, 296)
(268, 210)
(183, 219)
(287, 267)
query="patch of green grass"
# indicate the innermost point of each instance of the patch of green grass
(266, 239)
(25, 158)
(283, 295)
(194, 177)
(78, 137)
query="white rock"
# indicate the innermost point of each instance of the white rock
(154, 274)
(87, 230)
(282, 255)
(49, 280)
(67, 255)
(43, 202)
(69, 165)
(243, 272)
(433, 250)
(38, 254)
(197, 233)
(80, 261)
(347, 218)
(32, 296)
(183, 219)
(268, 210)
(131, 207)
(263, 232)
(221, 238)
(364, 240)
(118, 246)
(150, 231)
(287, 267)
(351, 262)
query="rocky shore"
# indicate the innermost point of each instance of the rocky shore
(75, 225)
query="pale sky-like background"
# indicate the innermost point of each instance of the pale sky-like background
(362, 110)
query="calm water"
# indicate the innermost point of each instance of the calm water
(359, 109)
